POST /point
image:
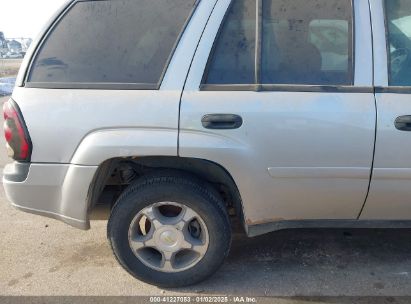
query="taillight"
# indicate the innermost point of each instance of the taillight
(17, 137)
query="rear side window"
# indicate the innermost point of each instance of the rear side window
(299, 42)
(398, 22)
(112, 42)
(234, 54)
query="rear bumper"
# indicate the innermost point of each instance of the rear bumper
(58, 191)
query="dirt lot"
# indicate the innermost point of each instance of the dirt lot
(9, 67)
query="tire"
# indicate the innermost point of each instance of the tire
(170, 190)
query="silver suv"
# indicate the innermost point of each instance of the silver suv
(183, 114)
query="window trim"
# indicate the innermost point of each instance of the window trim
(97, 85)
(258, 40)
(258, 87)
(92, 86)
(393, 89)
(287, 88)
(387, 44)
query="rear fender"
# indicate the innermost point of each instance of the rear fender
(101, 145)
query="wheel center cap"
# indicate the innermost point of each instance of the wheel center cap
(168, 237)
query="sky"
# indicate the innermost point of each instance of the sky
(26, 18)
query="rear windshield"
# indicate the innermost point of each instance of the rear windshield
(112, 41)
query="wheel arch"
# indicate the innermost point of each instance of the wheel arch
(120, 172)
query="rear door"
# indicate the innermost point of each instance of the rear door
(280, 95)
(390, 190)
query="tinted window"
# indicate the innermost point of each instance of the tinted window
(234, 51)
(398, 14)
(112, 41)
(307, 42)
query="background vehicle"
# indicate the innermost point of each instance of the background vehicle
(10, 55)
(282, 113)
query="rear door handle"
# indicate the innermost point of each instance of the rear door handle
(403, 123)
(222, 121)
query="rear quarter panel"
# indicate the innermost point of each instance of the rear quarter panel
(60, 121)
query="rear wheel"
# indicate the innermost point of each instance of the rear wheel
(170, 230)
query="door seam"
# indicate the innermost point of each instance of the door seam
(185, 80)
(376, 114)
